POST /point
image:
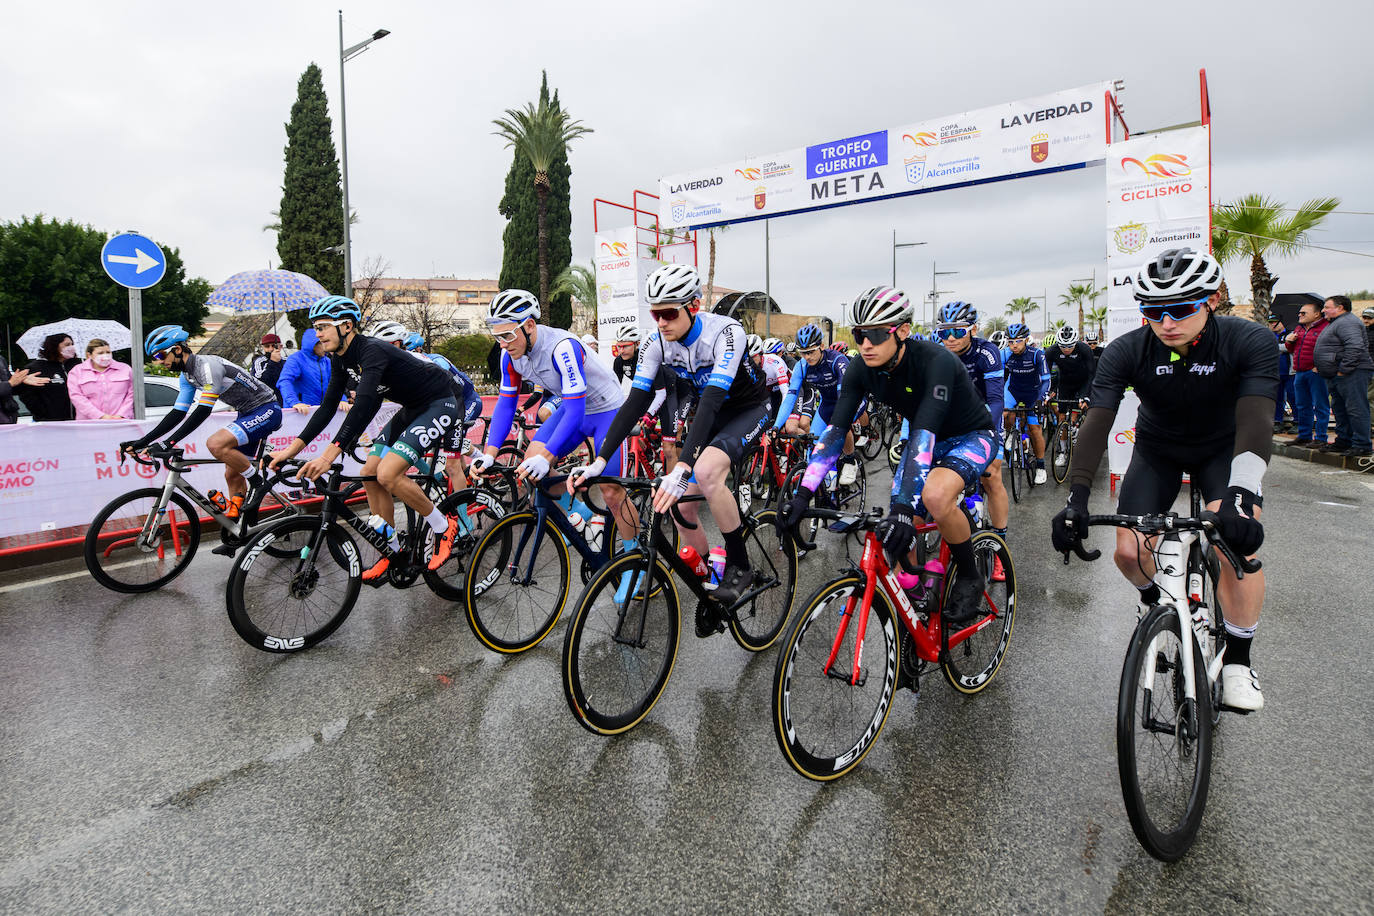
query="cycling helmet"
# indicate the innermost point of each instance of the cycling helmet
(772, 345)
(1018, 332)
(1090, 337)
(880, 305)
(790, 347)
(998, 339)
(754, 344)
(164, 338)
(1066, 336)
(388, 332)
(512, 306)
(1179, 273)
(808, 336)
(673, 283)
(628, 333)
(589, 338)
(335, 308)
(839, 346)
(415, 341)
(958, 313)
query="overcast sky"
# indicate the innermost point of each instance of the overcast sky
(169, 118)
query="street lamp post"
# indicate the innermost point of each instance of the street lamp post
(895, 246)
(1092, 286)
(935, 293)
(345, 55)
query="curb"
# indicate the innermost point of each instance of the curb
(1283, 447)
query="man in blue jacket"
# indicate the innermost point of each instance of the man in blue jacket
(305, 376)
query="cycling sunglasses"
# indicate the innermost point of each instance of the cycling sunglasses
(874, 336)
(668, 314)
(956, 333)
(506, 336)
(1175, 310)
(159, 356)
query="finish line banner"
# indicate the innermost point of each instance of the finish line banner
(1048, 133)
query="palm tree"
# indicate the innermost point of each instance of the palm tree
(1023, 304)
(1098, 316)
(540, 133)
(1263, 230)
(1225, 248)
(711, 261)
(1075, 297)
(579, 282)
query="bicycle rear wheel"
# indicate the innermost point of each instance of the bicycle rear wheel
(284, 598)
(482, 508)
(116, 553)
(620, 646)
(757, 623)
(1028, 463)
(971, 661)
(1163, 739)
(505, 614)
(824, 724)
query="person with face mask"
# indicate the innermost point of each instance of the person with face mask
(100, 387)
(48, 400)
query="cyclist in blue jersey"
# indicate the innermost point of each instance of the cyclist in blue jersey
(205, 380)
(1027, 385)
(957, 329)
(815, 384)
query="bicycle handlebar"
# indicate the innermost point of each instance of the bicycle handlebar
(1207, 523)
(864, 522)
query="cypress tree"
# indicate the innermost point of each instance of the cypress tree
(520, 259)
(312, 198)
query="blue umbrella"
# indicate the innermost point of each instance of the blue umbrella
(266, 291)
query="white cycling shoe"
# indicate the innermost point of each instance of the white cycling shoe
(1040, 476)
(1240, 688)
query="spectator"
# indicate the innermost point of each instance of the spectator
(1285, 392)
(305, 375)
(9, 407)
(100, 387)
(266, 364)
(1309, 388)
(1342, 358)
(48, 400)
(1367, 316)
(494, 365)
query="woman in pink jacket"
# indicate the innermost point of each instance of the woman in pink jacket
(100, 388)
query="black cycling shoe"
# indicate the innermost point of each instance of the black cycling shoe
(709, 620)
(905, 680)
(735, 582)
(966, 600)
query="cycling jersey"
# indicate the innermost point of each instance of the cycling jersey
(220, 380)
(983, 361)
(775, 374)
(1075, 368)
(927, 387)
(825, 377)
(374, 370)
(1027, 376)
(559, 362)
(463, 389)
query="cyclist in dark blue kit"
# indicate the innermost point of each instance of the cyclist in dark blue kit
(1028, 384)
(815, 385)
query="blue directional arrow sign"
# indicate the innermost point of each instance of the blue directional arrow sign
(133, 261)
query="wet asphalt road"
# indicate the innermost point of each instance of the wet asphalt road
(151, 761)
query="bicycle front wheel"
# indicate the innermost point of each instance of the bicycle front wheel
(126, 551)
(757, 623)
(283, 594)
(621, 646)
(1163, 738)
(506, 614)
(1061, 452)
(1011, 458)
(976, 651)
(824, 720)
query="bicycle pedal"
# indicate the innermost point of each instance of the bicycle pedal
(224, 550)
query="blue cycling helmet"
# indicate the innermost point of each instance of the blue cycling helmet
(808, 336)
(958, 313)
(414, 341)
(164, 338)
(335, 308)
(1018, 332)
(772, 345)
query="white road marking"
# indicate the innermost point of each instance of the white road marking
(71, 575)
(1322, 502)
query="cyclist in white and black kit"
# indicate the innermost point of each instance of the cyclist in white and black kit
(207, 380)
(710, 352)
(375, 370)
(1206, 385)
(1072, 364)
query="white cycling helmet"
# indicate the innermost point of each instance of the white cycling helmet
(388, 331)
(754, 344)
(880, 305)
(1090, 337)
(589, 338)
(772, 345)
(1066, 336)
(1179, 273)
(628, 333)
(512, 305)
(998, 339)
(673, 284)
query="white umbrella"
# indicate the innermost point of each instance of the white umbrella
(80, 330)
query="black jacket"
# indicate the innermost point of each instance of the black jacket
(50, 401)
(9, 407)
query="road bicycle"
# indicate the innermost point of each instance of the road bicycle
(767, 469)
(622, 640)
(517, 584)
(1062, 435)
(145, 538)
(296, 581)
(1018, 451)
(883, 424)
(1170, 698)
(861, 636)
(834, 493)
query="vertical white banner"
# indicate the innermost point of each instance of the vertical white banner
(619, 289)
